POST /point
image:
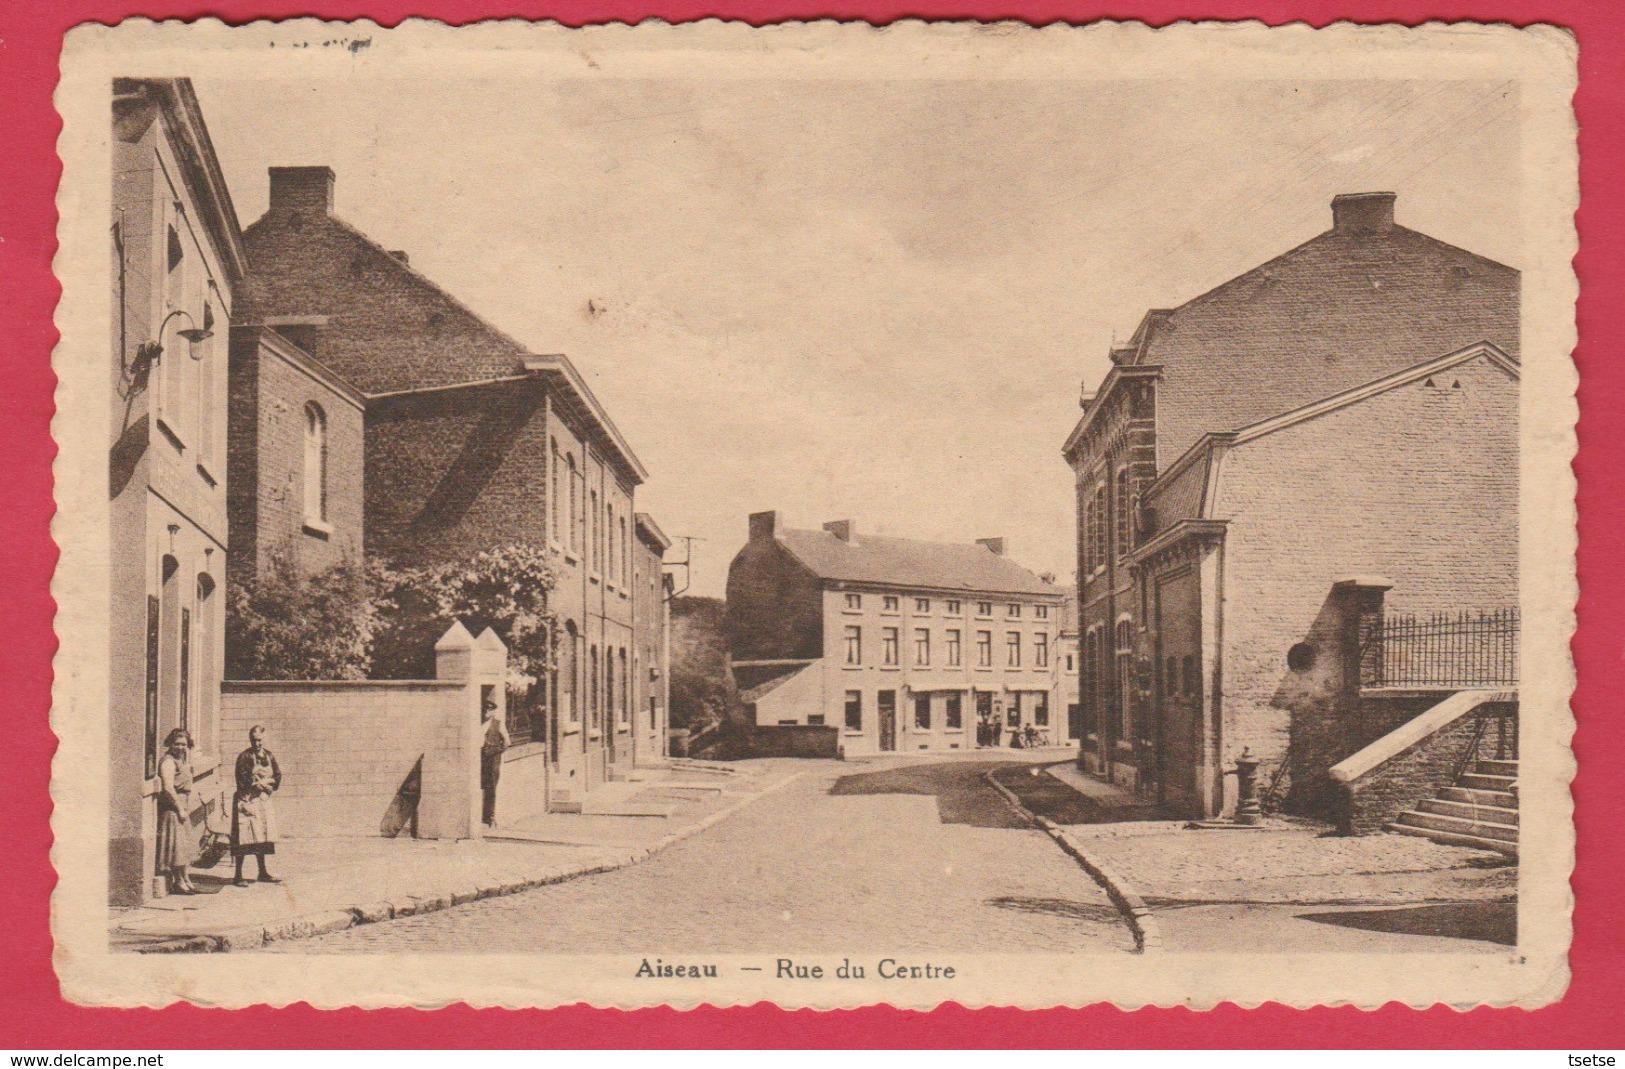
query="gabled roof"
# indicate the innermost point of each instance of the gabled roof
(757, 681)
(904, 562)
(1342, 309)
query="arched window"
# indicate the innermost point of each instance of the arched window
(575, 519)
(1125, 515)
(1098, 533)
(593, 552)
(315, 463)
(557, 503)
(594, 710)
(208, 686)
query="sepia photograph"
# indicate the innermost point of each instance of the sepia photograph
(677, 514)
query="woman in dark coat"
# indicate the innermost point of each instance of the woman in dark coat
(175, 843)
(253, 819)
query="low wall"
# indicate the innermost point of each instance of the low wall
(795, 740)
(353, 754)
(522, 790)
(1372, 796)
(376, 757)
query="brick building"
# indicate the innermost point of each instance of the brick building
(296, 457)
(177, 261)
(1348, 408)
(469, 441)
(651, 650)
(904, 645)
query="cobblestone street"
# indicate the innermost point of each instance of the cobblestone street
(906, 854)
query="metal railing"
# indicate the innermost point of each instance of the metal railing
(1460, 649)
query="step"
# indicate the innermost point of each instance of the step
(1469, 811)
(1497, 768)
(1481, 782)
(1456, 839)
(1504, 799)
(1483, 829)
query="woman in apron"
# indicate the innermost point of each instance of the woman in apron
(174, 803)
(253, 820)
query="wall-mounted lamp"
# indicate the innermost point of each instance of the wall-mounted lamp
(150, 352)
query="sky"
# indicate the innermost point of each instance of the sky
(867, 300)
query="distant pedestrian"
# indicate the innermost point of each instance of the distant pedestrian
(253, 817)
(491, 751)
(174, 803)
(998, 730)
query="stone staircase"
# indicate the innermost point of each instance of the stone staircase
(1480, 811)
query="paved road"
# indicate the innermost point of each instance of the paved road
(909, 855)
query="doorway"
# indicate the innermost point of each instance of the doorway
(888, 720)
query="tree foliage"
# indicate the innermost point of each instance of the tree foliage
(283, 623)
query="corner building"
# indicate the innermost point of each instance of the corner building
(903, 645)
(177, 264)
(1253, 459)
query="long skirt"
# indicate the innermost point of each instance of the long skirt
(253, 825)
(176, 848)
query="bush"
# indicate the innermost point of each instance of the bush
(506, 589)
(285, 624)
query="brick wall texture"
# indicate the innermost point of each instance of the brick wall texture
(346, 750)
(266, 461)
(1418, 485)
(1343, 309)
(1408, 778)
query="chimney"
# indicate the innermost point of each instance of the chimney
(400, 254)
(302, 189)
(1363, 213)
(993, 545)
(764, 526)
(841, 529)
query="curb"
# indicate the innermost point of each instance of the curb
(1147, 934)
(255, 936)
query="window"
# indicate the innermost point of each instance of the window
(176, 251)
(984, 649)
(953, 713)
(1098, 549)
(315, 463)
(922, 604)
(609, 539)
(854, 645)
(626, 689)
(1193, 685)
(854, 710)
(1015, 610)
(1040, 651)
(575, 506)
(592, 538)
(953, 608)
(1012, 649)
(888, 603)
(1012, 713)
(953, 648)
(593, 709)
(815, 720)
(1125, 516)
(984, 608)
(1041, 710)
(854, 601)
(1071, 665)
(922, 711)
(558, 490)
(1123, 720)
(1041, 611)
(888, 645)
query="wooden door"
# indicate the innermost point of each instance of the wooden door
(888, 720)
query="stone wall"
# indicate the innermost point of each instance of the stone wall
(374, 757)
(1399, 784)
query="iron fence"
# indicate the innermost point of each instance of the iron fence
(1462, 649)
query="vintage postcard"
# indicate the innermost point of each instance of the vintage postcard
(700, 514)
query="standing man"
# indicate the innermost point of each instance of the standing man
(491, 751)
(253, 820)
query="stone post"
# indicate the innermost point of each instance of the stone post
(449, 806)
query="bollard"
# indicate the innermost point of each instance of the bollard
(1248, 810)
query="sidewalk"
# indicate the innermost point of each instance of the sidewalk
(331, 884)
(1291, 883)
